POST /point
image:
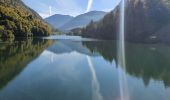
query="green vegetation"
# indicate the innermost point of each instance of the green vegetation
(57, 32)
(19, 21)
(103, 29)
(76, 31)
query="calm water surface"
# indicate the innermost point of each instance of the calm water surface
(82, 69)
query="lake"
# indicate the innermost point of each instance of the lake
(72, 68)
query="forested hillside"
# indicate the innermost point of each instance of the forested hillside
(145, 21)
(18, 20)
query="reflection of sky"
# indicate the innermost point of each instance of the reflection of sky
(96, 95)
(68, 77)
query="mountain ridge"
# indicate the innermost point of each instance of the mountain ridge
(83, 19)
(70, 22)
(58, 20)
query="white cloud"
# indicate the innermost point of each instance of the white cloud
(69, 7)
(107, 10)
(50, 10)
(44, 15)
(65, 7)
(90, 2)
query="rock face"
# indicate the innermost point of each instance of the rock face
(144, 22)
(18, 20)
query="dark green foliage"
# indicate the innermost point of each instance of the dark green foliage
(76, 32)
(1, 30)
(7, 34)
(102, 29)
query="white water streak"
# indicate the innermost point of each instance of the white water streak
(96, 95)
(124, 93)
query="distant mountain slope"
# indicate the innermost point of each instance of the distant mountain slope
(18, 20)
(58, 20)
(83, 20)
(145, 21)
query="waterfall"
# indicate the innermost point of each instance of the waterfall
(124, 95)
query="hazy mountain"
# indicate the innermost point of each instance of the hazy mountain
(18, 20)
(83, 20)
(58, 20)
(145, 21)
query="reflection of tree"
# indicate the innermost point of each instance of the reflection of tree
(149, 62)
(16, 55)
(143, 61)
(106, 48)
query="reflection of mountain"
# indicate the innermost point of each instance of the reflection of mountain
(68, 46)
(15, 56)
(105, 48)
(145, 61)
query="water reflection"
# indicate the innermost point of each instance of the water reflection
(147, 61)
(96, 95)
(62, 71)
(15, 55)
(149, 64)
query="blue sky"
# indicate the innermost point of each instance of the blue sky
(69, 7)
